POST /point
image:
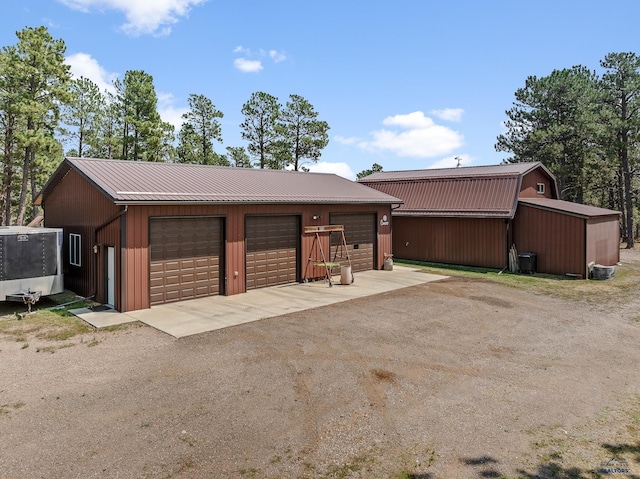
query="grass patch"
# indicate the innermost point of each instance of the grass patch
(625, 281)
(52, 325)
(5, 409)
(249, 473)
(342, 471)
(583, 451)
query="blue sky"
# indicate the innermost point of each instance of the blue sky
(408, 84)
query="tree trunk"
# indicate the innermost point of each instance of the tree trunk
(136, 139)
(620, 191)
(628, 201)
(34, 191)
(7, 179)
(80, 139)
(26, 166)
(125, 136)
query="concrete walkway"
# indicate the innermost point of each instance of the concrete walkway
(195, 316)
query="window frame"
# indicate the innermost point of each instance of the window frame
(75, 249)
(540, 188)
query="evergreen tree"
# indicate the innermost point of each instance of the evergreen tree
(84, 115)
(36, 70)
(554, 121)
(302, 135)
(10, 124)
(261, 113)
(140, 122)
(238, 157)
(199, 131)
(376, 168)
(621, 87)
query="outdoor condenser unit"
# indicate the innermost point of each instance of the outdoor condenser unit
(30, 263)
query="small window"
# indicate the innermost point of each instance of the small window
(540, 188)
(74, 249)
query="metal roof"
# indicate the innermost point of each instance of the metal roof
(576, 209)
(509, 169)
(460, 197)
(476, 192)
(132, 182)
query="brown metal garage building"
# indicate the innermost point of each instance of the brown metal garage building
(471, 216)
(139, 234)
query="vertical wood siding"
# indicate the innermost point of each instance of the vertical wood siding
(558, 240)
(465, 241)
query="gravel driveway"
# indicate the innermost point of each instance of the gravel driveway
(451, 379)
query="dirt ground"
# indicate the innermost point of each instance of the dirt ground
(453, 379)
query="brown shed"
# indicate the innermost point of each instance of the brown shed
(567, 236)
(471, 216)
(149, 233)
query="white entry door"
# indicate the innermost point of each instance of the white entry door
(111, 276)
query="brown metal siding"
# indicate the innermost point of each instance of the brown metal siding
(186, 258)
(465, 241)
(360, 236)
(77, 207)
(557, 239)
(135, 272)
(109, 235)
(528, 188)
(603, 240)
(273, 251)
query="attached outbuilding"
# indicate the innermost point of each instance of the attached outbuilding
(138, 234)
(566, 236)
(473, 215)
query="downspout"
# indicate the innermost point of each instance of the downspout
(391, 230)
(585, 254)
(507, 223)
(96, 246)
(506, 243)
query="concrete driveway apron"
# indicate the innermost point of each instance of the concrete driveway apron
(195, 316)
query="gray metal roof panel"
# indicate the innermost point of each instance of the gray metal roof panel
(487, 197)
(508, 169)
(144, 182)
(576, 209)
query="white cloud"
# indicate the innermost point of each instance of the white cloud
(248, 66)
(413, 120)
(84, 65)
(452, 162)
(168, 112)
(277, 56)
(448, 114)
(143, 16)
(415, 136)
(340, 169)
(344, 140)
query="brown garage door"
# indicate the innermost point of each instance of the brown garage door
(272, 245)
(186, 258)
(360, 233)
